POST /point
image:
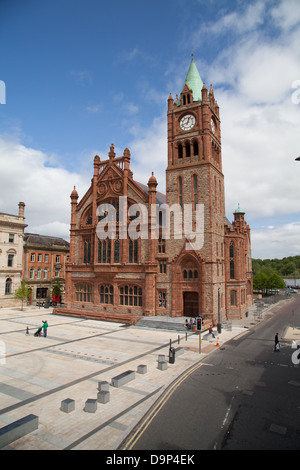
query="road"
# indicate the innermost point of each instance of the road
(244, 397)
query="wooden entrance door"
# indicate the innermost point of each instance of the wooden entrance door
(190, 304)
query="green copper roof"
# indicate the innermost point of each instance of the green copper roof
(239, 210)
(194, 81)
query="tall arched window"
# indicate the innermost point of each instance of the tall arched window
(133, 251)
(131, 296)
(231, 260)
(86, 251)
(106, 295)
(187, 149)
(84, 292)
(180, 151)
(8, 286)
(196, 148)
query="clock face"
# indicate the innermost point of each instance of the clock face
(213, 127)
(187, 122)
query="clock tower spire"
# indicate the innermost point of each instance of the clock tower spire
(194, 176)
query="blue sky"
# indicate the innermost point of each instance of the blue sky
(83, 74)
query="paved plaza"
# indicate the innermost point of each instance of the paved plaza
(37, 374)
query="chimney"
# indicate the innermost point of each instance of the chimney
(21, 209)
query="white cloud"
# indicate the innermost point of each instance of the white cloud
(149, 153)
(276, 242)
(253, 79)
(25, 176)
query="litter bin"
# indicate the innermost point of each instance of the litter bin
(172, 355)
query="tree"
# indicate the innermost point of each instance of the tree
(275, 282)
(23, 293)
(289, 268)
(260, 281)
(266, 280)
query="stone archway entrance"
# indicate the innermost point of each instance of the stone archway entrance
(190, 304)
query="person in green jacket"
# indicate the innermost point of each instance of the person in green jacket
(45, 326)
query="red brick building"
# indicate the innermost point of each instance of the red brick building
(44, 260)
(201, 266)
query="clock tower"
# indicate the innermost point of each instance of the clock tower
(194, 177)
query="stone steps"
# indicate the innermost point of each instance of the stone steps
(161, 325)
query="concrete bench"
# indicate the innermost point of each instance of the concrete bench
(103, 386)
(18, 429)
(161, 358)
(90, 405)
(67, 405)
(123, 379)
(162, 365)
(141, 369)
(103, 396)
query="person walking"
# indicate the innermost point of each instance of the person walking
(45, 327)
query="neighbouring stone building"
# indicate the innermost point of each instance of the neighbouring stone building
(159, 272)
(11, 255)
(44, 260)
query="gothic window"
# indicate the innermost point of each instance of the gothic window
(131, 296)
(180, 191)
(84, 292)
(86, 252)
(133, 251)
(180, 151)
(162, 299)
(106, 295)
(31, 273)
(231, 269)
(89, 219)
(39, 273)
(191, 275)
(8, 286)
(106, 251)
(187, 149)
(231, 260)
(161, 245)
(162, 267)
(195, 148)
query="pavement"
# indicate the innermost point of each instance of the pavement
(37, 374)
